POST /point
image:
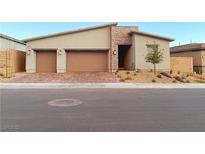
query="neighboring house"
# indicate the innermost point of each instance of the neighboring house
(101, 48)
(194, 50)
(12, 54)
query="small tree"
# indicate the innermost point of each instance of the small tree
(154, 55)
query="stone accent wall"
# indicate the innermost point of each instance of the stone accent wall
(119, 36)
(182, 64)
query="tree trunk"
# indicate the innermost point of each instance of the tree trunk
(154, 68)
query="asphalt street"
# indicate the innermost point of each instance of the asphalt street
(103, 110)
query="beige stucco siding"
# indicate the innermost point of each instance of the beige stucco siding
(139, 45)
(91, 39)
(31, 62)
(196, 55)
(6, 44)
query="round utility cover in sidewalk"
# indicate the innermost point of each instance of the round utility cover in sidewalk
(64, 102)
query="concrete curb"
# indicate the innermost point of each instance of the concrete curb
(100, 85)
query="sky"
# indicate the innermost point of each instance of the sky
(182, 32)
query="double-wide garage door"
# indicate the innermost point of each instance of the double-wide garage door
(87, 61)
(77, 61)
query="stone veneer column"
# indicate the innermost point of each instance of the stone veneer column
(119, 36)
(30, 61)
(61, 61)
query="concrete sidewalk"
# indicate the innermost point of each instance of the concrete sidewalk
(100, 85)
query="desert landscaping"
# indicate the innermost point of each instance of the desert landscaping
(160, 77)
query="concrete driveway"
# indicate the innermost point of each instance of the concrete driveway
(81, 77)
(104, 110)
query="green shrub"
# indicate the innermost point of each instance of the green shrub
(171, 72)
(153, 80)
(127, 72)
(183, 77)
(135, 74)
(200, 81)
(174, 81)
(178, 72)
(118, 76)
(122, 80)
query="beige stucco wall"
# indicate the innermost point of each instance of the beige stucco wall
(139, 43)
(91, 39)
(6, 44)
(31, 62)
(61, 61)
(196, 55)
(182, 64)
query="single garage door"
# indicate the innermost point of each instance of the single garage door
(46, 61)
(87, 61)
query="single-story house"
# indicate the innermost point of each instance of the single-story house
(100, 48)
(194, 50)
(12, 54)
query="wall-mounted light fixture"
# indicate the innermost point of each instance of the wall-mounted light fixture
(59, 52)
(114, 52)
(28, 52)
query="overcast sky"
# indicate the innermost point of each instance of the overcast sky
(182, 32)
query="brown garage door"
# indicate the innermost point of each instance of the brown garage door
(87, 61)
(46, 61)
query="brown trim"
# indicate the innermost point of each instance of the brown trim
(46, 49)
(70, 32)
(151, 35)
(86, 49)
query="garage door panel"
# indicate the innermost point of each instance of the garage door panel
(87, 61)
(46, 61)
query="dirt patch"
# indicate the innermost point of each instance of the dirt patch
(97, 77)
